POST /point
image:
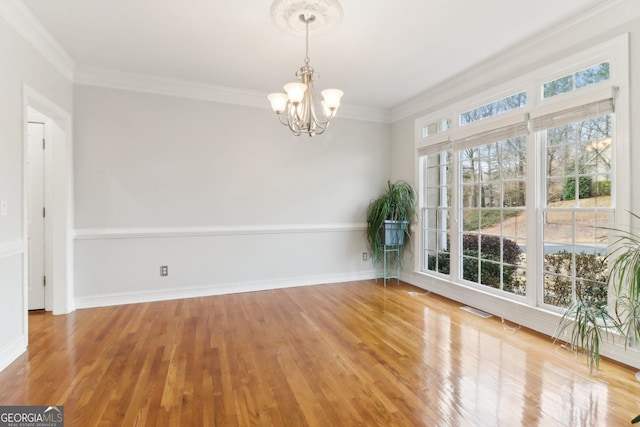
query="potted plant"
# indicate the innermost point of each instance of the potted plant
(388, 219)
(589, 321)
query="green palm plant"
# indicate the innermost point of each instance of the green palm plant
(588, 320)
(588, 324)
(398, 203)
(624, 279)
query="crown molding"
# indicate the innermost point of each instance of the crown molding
(537, 48)
(367, 114)
(20, 18)
(158, 85)
(205, 92)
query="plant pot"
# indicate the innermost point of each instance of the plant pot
(393, 232)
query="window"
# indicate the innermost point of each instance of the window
(521, 206)
(494, 108)
(577, 209)
(578, 80)
(436, 127)
(493, 190)
(436, 211)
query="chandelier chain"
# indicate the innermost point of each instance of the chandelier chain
(306, 23)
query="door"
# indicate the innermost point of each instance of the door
(35, 162)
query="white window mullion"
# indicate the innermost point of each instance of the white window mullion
(534, 218)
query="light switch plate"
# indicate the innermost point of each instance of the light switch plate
(3, 208)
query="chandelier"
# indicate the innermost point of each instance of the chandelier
(297, 108)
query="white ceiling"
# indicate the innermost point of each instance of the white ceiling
(382, 54)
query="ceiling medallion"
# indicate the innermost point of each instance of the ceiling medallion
(286, 15)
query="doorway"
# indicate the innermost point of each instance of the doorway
(56, 243)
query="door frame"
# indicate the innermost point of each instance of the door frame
(59, 200)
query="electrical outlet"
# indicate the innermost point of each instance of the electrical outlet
(164, 270)
(365, 256)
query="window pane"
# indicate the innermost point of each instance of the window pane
(557, 289)
(433, 194)
(436, 127)
(555, 189)
(558, 229)
(600, 192)
(514, 194)
(514, 224)
(470, 219)
(431, 129)
(561, 160)
(470, 268)
(556, 87)
(591, 234)
(494, 108)
(592, 75)
(517, 284)
(490, 274)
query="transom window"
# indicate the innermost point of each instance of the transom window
(436, 127)
(577, 80)
(494, 108)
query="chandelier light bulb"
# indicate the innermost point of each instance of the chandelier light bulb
(295, 91)
(332, 97)
(278, 101)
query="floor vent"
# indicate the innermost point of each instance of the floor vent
(476, 312)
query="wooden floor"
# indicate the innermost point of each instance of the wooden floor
(331, 355)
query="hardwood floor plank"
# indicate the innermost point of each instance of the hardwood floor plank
(332, 355)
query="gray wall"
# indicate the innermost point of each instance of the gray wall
(225, 196)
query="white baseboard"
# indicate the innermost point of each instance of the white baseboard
(12, 351)
(230, 288)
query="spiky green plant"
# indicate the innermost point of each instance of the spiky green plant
(589, 324)
(398, 203)
(625, 268)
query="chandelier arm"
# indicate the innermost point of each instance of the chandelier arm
(292, 121)
(288, 121)
(282, 121)
(322, 125)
